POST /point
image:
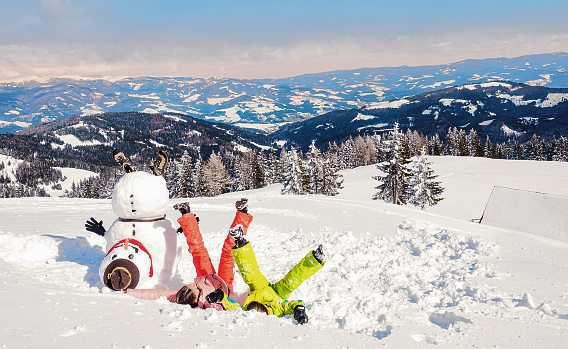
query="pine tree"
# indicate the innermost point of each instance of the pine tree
(292, 173)
(184, 172)
(537, 150)
(272, 169)
(473, 144)
(488, 149)
(347, 154)
(171, 177)
(560, 149)
(332, 181)
(215, 177)
(315, 170)
(196, 185)
(248, 171)
(437, 148)
(423, 189)
(393, 173)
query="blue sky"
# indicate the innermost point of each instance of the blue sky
(40, 38)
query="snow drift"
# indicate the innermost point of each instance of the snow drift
(542, 214)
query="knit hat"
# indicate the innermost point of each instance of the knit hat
(121, 274)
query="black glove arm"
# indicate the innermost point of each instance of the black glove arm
(95, 227)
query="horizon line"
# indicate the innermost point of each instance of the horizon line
(47, 79)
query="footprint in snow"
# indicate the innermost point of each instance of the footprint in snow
(448, 320)
(74, 331)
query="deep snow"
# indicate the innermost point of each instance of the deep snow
(397, 277)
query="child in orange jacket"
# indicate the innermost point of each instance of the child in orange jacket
(210, 289)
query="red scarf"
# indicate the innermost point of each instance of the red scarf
(137, 244)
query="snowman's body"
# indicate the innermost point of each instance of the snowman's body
(142, 236)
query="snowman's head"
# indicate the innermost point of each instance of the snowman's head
(140, 195)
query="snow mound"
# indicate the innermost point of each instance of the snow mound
(24, 250)
(55, 259)
(369, 282)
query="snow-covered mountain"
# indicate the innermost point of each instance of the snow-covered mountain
(500, 110)
(396, 276)
(15, 171)
(261, 101)
(90, 139)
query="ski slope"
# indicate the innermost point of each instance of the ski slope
(396, 277)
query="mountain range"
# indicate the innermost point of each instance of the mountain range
(498, 110)
(262, 103)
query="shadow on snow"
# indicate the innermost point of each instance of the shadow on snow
(79, 250)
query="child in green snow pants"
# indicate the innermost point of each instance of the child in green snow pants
(272, 299)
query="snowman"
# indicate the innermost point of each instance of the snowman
(141, 245)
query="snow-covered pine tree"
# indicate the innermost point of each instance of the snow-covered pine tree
(215, 178)
(271, 168)
(423, 189)
(332, 155)
(292, 173)
(537, 150)
(171, 177)
(393, 172)
(488, 149)
(436, 146)
(184, 178)
(243, 179)
(248, 170)
(560, 149)
(305, 173)
(473, 144)
(195, 183)
(315, 170)
(332, 181)
(347, 154)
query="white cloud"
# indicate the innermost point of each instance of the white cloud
(178, 57)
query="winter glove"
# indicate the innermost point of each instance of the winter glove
(215, 296)
(242, 205)
(319, 254)
(300, 314)
(183, 208)
(96, 227)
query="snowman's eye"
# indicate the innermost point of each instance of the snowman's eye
(130, 256)
(113, 257)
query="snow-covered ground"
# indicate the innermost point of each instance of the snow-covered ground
(397, 277)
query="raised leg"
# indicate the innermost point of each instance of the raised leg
(201, 259)
(302, 271)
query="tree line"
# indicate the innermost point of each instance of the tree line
(315, 171)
